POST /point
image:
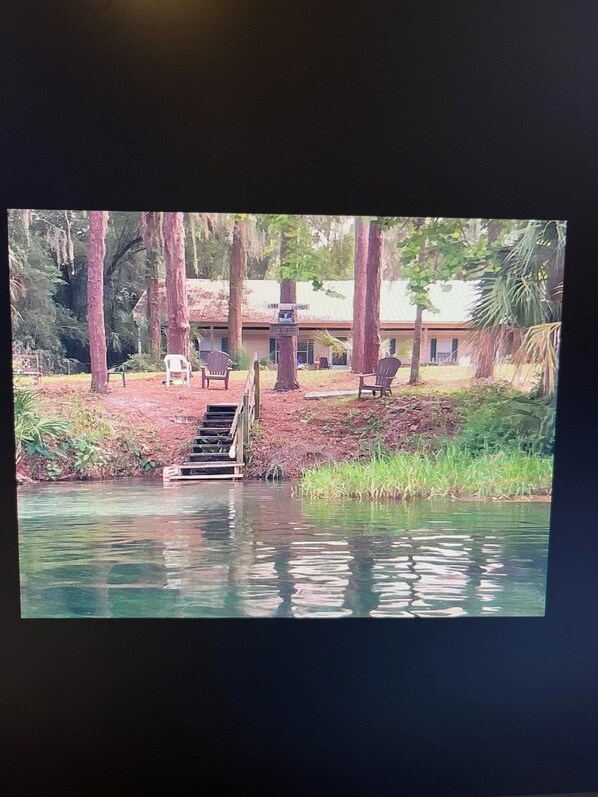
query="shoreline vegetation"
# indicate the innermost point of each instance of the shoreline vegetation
(450, 473)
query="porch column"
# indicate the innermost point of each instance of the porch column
(426, 358)
(211, 338)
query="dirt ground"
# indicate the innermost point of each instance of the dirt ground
(295, 433)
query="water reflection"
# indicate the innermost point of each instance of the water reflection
(137, 549)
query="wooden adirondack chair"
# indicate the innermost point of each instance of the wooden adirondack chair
(217, 369)
(385, 372)
(177, 367)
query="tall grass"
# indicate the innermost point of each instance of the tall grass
(450, 472)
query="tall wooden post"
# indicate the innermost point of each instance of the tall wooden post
(245, 417)
(256, 366)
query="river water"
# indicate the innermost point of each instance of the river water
(136, 548)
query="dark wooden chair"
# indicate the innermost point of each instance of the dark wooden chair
(323, 363)
(385, 372)
(216, 369)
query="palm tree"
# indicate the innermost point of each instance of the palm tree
(521, 300)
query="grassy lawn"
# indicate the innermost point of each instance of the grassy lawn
(434, 378)
(451, 472)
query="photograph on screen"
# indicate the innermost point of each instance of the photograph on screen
(224, 415)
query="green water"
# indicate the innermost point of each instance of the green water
(131, 548)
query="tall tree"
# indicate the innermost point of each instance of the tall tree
(486, 343)
(98, 220)
(298, 260)
(151, 230)
(359, 292)
(286, 377)
(436, 250)
(176, 286)
(237, 277)
(371, 342)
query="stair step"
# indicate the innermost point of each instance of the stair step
(210, 450)
(205, 477)
(218, 432)
(212, 465)
(214, 456)
(202, 445)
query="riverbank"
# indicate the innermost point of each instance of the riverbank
(138, 429)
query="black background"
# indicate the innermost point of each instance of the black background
(402, 108)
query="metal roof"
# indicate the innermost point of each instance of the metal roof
(208, 302)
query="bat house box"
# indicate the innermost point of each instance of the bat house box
(286, 314)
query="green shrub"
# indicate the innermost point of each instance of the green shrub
(498, 418)
(34, 431)
(142, 363)
(241, 361)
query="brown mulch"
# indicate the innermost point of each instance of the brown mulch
(162, 420)
(295, 434)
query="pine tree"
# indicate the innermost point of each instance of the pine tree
(176, 287)
(98, 220)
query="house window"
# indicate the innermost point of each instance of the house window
(274, 350)
(392, 347)
(224, 345)
(305, 351)
(444, 350)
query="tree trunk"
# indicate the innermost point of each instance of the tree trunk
(487, 339)
(417, 345)
(371, 345)
(359, 292)
(151, 231)
(286, 377)
(486, 348)
(237, 276)
(176, 285)
(95, 300)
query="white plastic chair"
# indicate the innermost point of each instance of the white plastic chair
(177, 366)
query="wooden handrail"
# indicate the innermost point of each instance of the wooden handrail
(245, 411)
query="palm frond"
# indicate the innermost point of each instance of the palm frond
(330, 341)
(540, 346)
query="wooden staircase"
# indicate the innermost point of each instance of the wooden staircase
(209, 452)
(217, 450)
